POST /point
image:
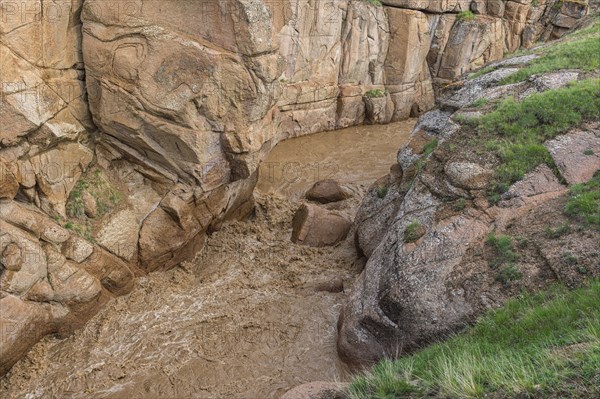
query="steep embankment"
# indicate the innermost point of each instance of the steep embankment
(497, 192)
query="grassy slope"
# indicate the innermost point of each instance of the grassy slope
(542, 344)
(579, 51)
(516, 131)
(545, 344)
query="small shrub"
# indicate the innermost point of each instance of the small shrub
(503, 248)
(413, 232)
(430, 147)
(584, 202)
(508, 275)
(522, 242)
(465, 16)
(377, 93)
(589, 151)
(382, 191)
(459, 205)
(558, 231)
(569, 258)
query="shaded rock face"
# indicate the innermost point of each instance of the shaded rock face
(177, 103)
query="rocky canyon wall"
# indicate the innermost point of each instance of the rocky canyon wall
(129, 129)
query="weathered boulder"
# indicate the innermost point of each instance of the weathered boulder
(468, 175)
(325, 191)
(577, 154)
(317, 227)
(52, 280)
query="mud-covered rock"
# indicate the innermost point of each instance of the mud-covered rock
(317, 227)
(326, 191)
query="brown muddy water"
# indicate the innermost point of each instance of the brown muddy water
(253, 316)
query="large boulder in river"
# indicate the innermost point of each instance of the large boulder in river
(317, 227)
(326, 191)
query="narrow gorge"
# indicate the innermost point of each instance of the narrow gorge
(234, 198)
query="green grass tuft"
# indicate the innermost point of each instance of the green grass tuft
(558, 231)
(503, 248)
(376, 93)
(382, 192)
(480, 103)
(430, 147)
(584, 202)
(413, 232)
(465, 16)
(545, 345)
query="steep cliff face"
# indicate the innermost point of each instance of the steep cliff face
(130, 129)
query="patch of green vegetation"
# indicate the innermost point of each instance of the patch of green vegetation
(465, 120)
(558, 231)
(83, 229)
(517, 130)
(588, 152)
(482, 102)
(465, 16)
(508, 275)
(504, 253)
(556, 6)
(376, 3)
(578, 53)
(538, 345)
(105, 195)
(376, 93)
(483, 71)
(569, 258)
(382, 191)
(584, 202)
(430, 147)
(459, 205)
(413, 232)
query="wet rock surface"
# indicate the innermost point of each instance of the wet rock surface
(326, 191)
(318, 227)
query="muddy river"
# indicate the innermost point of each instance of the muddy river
(253, 316)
